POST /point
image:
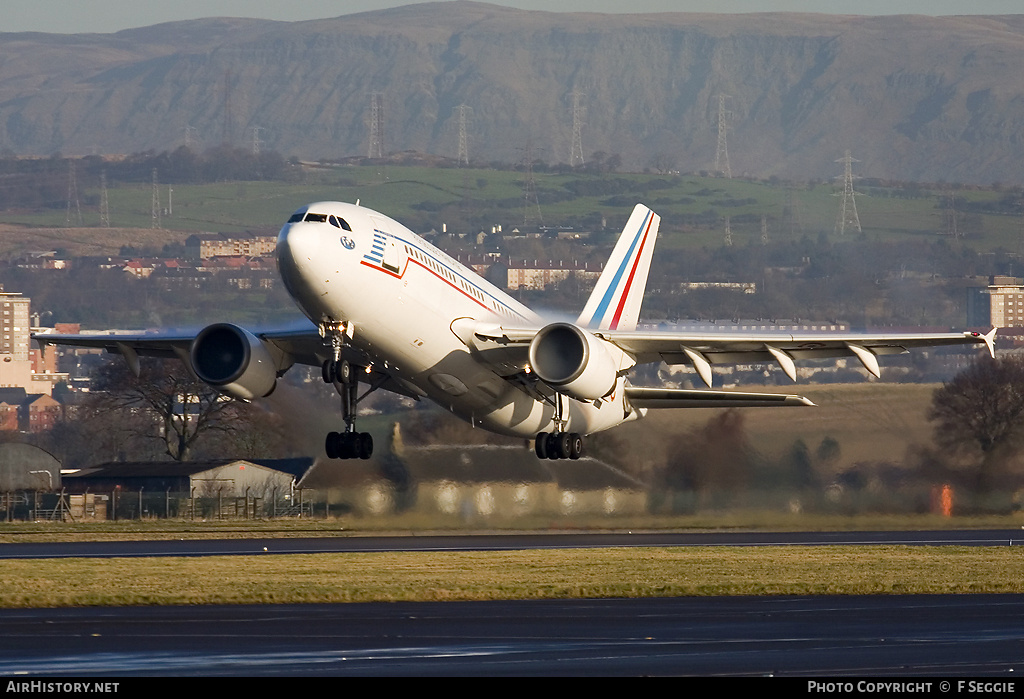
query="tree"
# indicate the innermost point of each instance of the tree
(180, 408)
(714, 458)
(978, 414)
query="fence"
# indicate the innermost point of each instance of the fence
(476, 500)
(37, 505)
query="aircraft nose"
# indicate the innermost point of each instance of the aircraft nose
(297, 246)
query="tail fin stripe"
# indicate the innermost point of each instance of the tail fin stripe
(646, 228)
(610, 292)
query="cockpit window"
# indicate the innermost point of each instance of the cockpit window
(335, 221)
(339, 222)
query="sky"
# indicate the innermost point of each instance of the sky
(104, 16)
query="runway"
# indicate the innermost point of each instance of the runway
(805, 636)
(942, 635)
(503, 542)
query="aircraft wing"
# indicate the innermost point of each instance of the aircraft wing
(703, 350)
(299, 344)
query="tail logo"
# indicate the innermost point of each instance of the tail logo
(616, 299)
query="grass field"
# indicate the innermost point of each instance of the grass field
(870, 421)
(448, 576)
(400, 190)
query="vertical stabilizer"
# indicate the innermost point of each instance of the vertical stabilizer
(615, 301)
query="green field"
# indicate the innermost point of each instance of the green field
(497, 196)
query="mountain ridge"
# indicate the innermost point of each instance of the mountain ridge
(912, 97)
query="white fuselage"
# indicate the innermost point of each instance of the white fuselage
(401, 295)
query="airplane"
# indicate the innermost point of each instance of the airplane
(391, 311)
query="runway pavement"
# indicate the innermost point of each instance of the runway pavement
(497, 542)
(941, 635)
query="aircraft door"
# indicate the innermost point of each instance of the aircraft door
(394, 250)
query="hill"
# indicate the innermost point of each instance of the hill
(914, 98)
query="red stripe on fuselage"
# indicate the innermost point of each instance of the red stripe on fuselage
(428, 269)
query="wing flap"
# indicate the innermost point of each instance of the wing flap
(704, 350)
(653, 398)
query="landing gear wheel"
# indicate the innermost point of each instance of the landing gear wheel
(339, 371)
(558, 445)
(364, 445)
(575, 445)
(343, 372)
(349, 445)
(540, 445)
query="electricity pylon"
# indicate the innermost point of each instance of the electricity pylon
(722, 153)
(848, 208)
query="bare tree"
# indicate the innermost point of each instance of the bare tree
(978, 414)
(179, 407)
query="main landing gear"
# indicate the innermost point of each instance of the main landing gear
(349, 444)
(559, 445)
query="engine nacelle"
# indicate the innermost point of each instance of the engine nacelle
(575, 361)
(234, 361)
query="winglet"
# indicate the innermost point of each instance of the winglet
(615, 302)
(990, 341)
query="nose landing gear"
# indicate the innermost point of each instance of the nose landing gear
(348, 444)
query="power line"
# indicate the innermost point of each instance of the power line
(530, 202)
(722, 152)
(576, 151)
(73, 196)
(104, 204)
(228, 123)
(463, 157)
(792, 213)
(257, 143)
(952, 218)
(191, 137)
(156, 201)
(376, 146)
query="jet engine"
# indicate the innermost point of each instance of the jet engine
(574, 361)
(234, 361)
